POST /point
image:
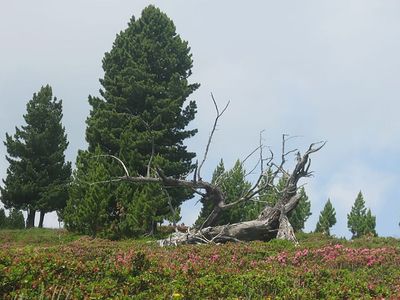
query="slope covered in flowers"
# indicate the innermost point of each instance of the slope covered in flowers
(62, 266)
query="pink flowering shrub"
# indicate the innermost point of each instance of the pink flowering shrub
(87, 268)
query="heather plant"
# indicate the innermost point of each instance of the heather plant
(322, 267)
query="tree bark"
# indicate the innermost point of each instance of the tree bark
(30, 220)
(42, 213)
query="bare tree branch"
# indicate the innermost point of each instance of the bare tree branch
(219, 114)
(117, 159)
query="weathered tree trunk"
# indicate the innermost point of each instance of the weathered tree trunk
(272, 221)
(30, 220)
(42, 213)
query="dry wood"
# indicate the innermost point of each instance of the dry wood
(272, 222)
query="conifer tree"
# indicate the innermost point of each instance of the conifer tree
(37, 175)
(87, 208)
(327, 219)
(359, 220)
(217, 179)
(141, 116)
(3, 218)
(300, 214)
(15, 220)
(234, 184)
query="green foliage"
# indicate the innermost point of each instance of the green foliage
(234, 185)
(360, 221)
(208, 205)
(15, 220)
(322, 267)
(3, 219)
(87, 210)
(327, 219)
(300, 214)
(43, 237)
(141, 111)
(37, 175)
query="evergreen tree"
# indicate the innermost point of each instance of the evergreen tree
(359, 220)
(15, 220)
(234, 185)
(141, 112)
(217, 179)
(87, 209)
(37, 174)
(300, 214)
(370, 223)
(3, 219)
(327, 219)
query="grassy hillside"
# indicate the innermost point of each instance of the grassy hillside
(53, 264)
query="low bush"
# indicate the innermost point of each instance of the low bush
(86, 268)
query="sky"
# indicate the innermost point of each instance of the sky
(318, 70)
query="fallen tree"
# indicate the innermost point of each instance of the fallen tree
(272, 222)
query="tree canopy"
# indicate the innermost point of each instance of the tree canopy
(38, 174)
(141, 117)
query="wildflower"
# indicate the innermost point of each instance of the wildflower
(214, 257)
(177, 296)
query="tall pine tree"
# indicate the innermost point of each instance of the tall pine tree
(142, 112)
(360, 221)
(327, 219)
(38, 175)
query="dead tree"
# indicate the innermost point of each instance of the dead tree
(272, 222)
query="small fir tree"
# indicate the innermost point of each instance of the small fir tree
(327, 219)
(37, 175)
(359, 220)
(234, 185)
(301, 213)
(217, 179)
(370, 224)
(87, 209)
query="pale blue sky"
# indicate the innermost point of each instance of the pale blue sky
(318, 69)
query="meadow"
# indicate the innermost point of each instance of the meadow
(55, 264)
